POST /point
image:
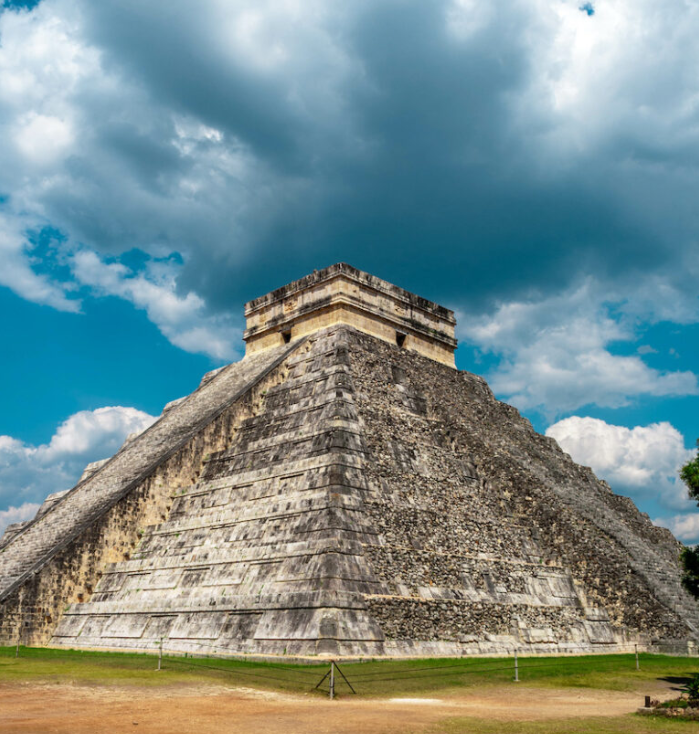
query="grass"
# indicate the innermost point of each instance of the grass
(608, 672)
(628, 724)
(372, 678)
(110, 668)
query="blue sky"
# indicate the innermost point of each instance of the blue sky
(533, 165)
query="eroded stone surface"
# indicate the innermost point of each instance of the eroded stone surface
(381, 503)
(60, 556)
(343, 494)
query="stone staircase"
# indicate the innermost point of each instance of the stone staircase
(263, 553)
(29, 549)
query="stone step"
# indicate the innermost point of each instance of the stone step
(92, 497)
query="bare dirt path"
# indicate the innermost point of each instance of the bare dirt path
(67, 709)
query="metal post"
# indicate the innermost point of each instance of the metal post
(19, 636)
(516, 668)
(636, 649)
(160, 654)
(332, 680)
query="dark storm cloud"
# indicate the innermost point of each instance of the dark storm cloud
(460, 149)
(176, 55)
(441, 186)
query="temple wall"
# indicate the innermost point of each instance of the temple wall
(351, 316)
(341, 294)
(343, 490)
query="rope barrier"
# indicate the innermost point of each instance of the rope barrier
(233, 671)
(433, 667)
(147, 657)
(299, 676)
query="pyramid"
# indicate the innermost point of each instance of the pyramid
(343, 490)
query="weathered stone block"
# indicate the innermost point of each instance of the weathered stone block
(343, 494)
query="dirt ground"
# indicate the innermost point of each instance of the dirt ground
(67, 709)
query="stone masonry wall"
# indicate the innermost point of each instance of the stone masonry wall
(35, 608)
(261, 554)
(475, 508)
(359, 498)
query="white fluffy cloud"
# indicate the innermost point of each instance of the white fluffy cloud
(16, 271)
(642, 462)
(57, 100)
(182, 319)
(645, 458)
(12, 515)
(683, 527)
(555, 352)
(42, 138)
(29, 473)
(622, 60)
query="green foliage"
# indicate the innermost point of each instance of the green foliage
(674, 703)
(689, 557)
(692, 688)
(690, 562)
(689, 474)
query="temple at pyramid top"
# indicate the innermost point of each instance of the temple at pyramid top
(341, 294)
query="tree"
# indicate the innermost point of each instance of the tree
(689, 474)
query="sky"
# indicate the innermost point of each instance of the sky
(532, 165)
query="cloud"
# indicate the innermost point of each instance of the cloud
(526, 143)
(642, 462)
(555, 352)
(17, 514)
(644, 458)
(646, 349)
(42, 138)
(182, 319)
(17, 273)
(29, 473)
(683, 527)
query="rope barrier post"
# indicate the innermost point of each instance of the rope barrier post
(19, 636)
(160, 655)
(516, 668)
(332, 679)
(637, 665)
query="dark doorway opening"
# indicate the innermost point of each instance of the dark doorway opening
(286, 336)
(400, 339)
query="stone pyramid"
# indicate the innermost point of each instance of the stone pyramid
(343, 489)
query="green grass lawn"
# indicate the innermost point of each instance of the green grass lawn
(109, 668)
(609, 672)
(370, 678)
(629, 724)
